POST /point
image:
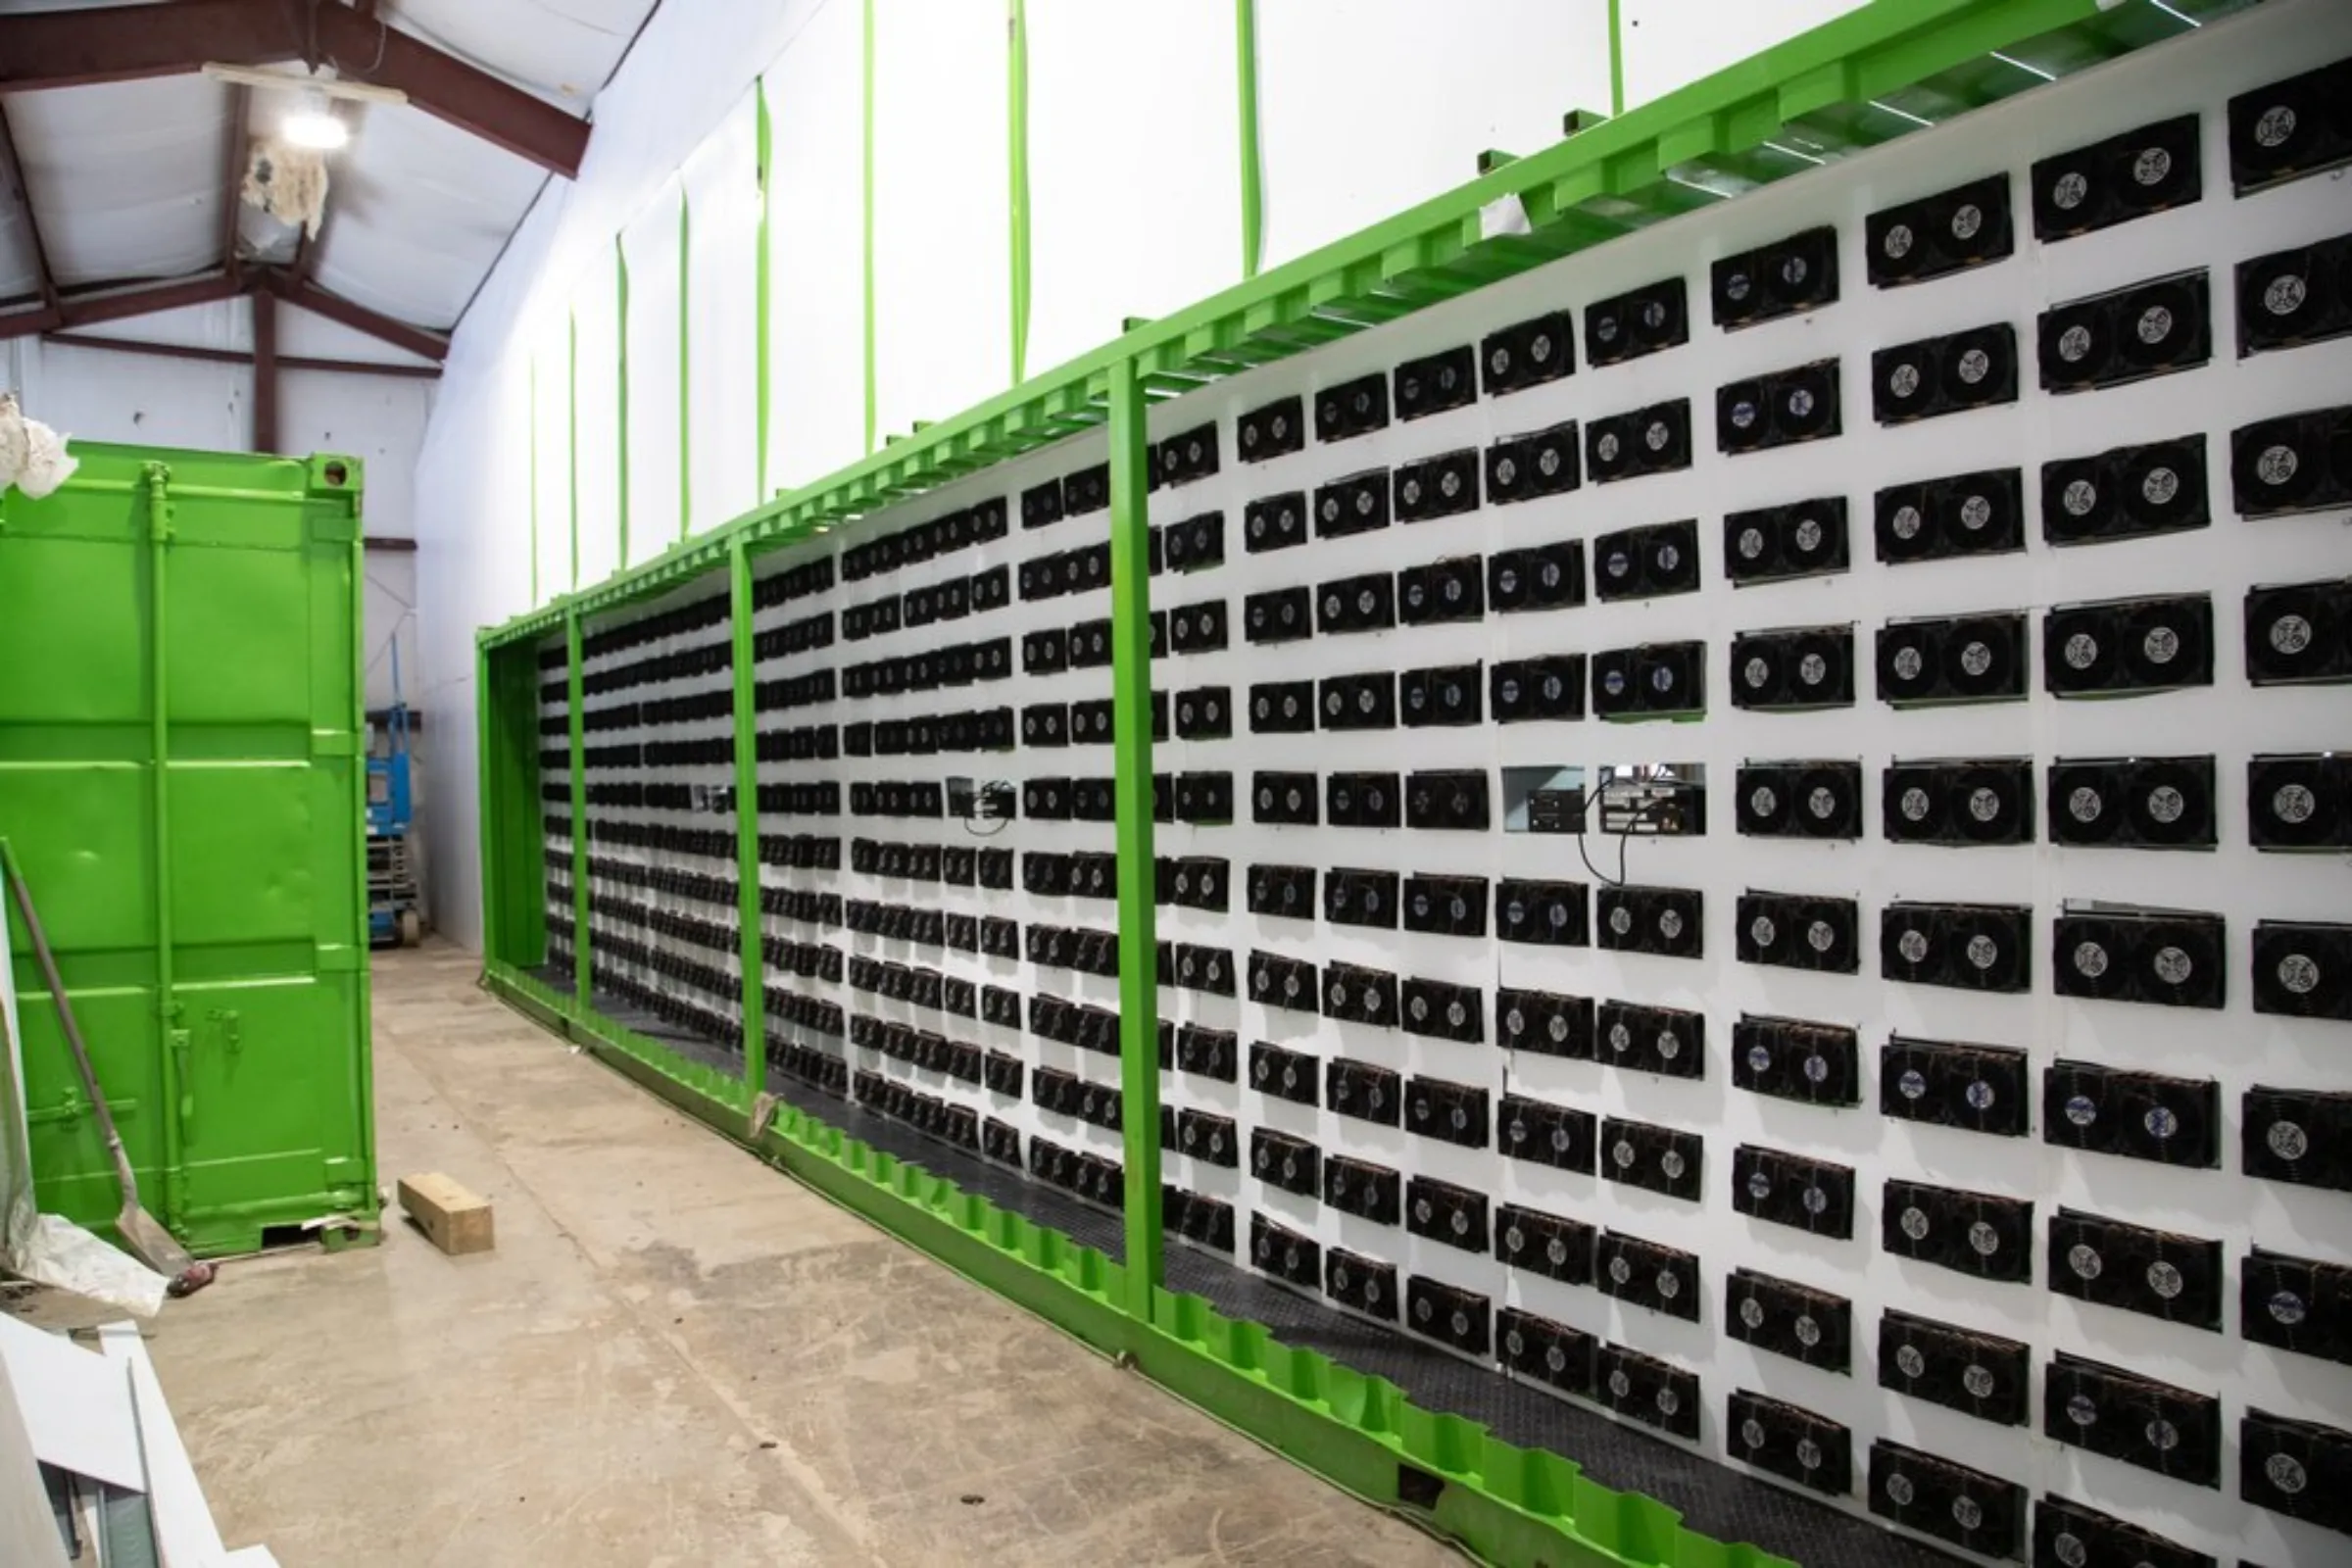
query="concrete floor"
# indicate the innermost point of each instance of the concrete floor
(677, 1356)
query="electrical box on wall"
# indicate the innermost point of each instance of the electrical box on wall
(1777, 878)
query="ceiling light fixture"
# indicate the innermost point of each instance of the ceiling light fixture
(313, 124)
(362, 92)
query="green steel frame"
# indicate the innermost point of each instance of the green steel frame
(1879, 73)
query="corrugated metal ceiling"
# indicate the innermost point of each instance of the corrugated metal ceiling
(126, 179)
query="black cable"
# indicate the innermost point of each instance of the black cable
(1623, 834)
(1593, 871)
(979, 790)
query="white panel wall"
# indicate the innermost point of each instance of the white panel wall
(1366, 107)
(100, 395)
(596, 412)
(1134, 167)
(388, 651)
(816, 254)
(103, 395)
(378, 419)
(943, 318)
(1664, 51)
(1135, 182)
(694, 62)
(548, 472)
(656, 272)
(722, 197)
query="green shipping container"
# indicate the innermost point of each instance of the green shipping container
(210, 916)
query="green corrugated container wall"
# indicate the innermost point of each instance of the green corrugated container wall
(215, 950)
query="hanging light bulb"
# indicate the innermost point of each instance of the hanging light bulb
(313, 124)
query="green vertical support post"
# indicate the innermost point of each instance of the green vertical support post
(760, 414)
(170, 1040)
(685, 369)
(1616, 59)
(580, 988)
(620, 448)
(1016, 99)
(486, 699)
(534, 446)
(1131, 737)
(360, 923)
(512, 826)
(867, 217)
(747, 825)
(1245, 16)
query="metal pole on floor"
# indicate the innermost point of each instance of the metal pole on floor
(1131, 736)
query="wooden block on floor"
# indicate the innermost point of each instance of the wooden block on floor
(451, 1218)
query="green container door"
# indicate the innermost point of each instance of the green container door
(216, 953)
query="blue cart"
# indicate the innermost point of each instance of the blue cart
(395, 914)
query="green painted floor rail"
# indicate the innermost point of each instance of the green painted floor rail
(182, 780)
(1881, 72)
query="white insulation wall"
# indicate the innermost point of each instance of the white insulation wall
(1133, 210)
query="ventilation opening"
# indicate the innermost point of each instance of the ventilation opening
(1418, 1489)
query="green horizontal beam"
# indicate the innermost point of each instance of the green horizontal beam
(1607, 179)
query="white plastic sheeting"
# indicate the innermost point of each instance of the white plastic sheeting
(722, 300)
(656, 270)
(943, 315)
(596, 409)
(816, 285)
(419, 211)
(562, 52)
(1134, 167)
(1368, 107)
(551, 446)
(18, 276)
(125, 176)
(1663, 51)
(1135, 181)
